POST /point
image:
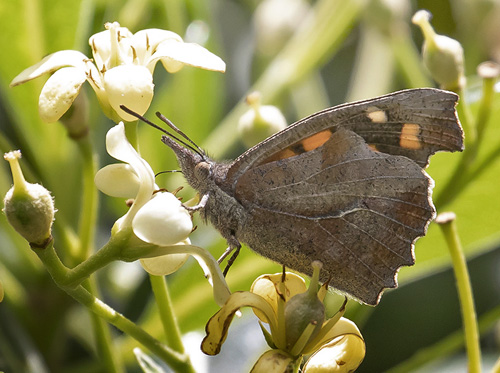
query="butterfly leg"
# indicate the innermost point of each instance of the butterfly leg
(231, 260)
(200, 205)
(233, 246)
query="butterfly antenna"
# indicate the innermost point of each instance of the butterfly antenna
(167, 172)
(196, 149)
(176, 129)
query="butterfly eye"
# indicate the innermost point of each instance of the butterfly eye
(202, 170)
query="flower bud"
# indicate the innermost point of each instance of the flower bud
(303, 310)
(443, 56)
(29, 207)
(76, 119)
(260, 121)
(272, 32)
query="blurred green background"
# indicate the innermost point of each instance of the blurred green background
(348, 50)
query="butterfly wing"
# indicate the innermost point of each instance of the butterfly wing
(333, 196)
(415, 123)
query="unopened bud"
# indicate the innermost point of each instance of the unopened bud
(443, 56)
(77, 117)
(303, 310)
(29, 208)
(260, 121)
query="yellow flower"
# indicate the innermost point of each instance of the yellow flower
(122, 71)
(297, 326)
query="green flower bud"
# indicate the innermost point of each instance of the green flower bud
(303, 310)
(29, 207)
(76, 119)
(260, 121)
(443, 56)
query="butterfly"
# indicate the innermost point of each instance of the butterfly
(345, 186)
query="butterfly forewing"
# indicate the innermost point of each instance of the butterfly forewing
(414, 123)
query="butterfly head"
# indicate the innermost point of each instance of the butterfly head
(195, 165)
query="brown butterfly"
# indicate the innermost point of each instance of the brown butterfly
(344, 186)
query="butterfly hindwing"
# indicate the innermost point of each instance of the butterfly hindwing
(356, 210)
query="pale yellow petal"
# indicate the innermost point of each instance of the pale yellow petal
(162, 221)
(145, 42)
(344, 354)
(51, 63)
(173, 52)
(117, 180)
(274, 361)
(166, 264)
(267, 287)
(59, 92)
(218, 325)
(129, 85)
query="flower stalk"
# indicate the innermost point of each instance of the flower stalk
(177, 361)
(447, 223)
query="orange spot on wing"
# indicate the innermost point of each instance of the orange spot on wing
(283, 154)
(302, 146)
(409, 136)
(316, 140)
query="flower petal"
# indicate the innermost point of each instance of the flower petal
(343, 354)
(129, 85)
(118, 147)
(51, 63)
(172, 53)
(267, 287)
(342, 327)
(274, 361)
(59, 92)
(218, 325)
(165, 264)
(117, 180)
(162, 221)
(206, 261)
(145, 42)
(102, 46)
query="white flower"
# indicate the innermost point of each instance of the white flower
(122, 71)
(156, 218)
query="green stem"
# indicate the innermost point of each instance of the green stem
(178, 362)
(167, 316)
(104, 342)
(131, 133)
(485, 106)
(89, 206)
(474, 134)
(449, 228)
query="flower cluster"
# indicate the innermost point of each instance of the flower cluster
(296, 319)
(121, 72)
